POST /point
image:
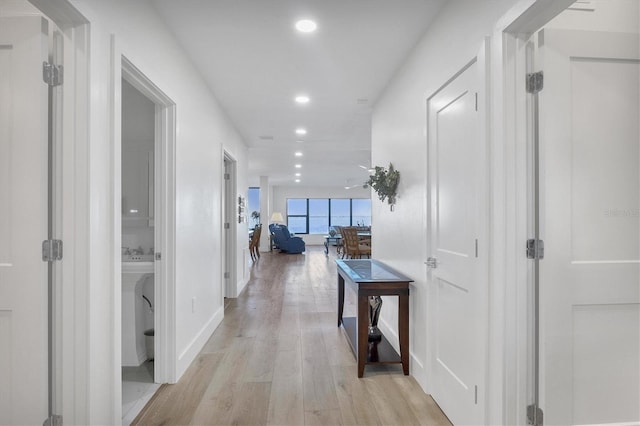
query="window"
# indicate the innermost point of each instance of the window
(297, 215)
(341, 212)
(316, 215)
(253, 205)
(361, 212)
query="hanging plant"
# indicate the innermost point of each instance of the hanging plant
(385, 183)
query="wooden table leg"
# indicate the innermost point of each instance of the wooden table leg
(340, 298)
(363, 332)
(403, 331)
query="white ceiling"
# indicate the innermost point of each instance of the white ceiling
(256, 63)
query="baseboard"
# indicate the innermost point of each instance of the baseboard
(416, 366)
(194, 347)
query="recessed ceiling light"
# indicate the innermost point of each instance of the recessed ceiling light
(297, 180)
(302, 99)
(301, 131)
(300, 141)
(306, 26)
(298, 154)
(298, 166)
(298, 174)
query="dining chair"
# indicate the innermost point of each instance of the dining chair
(254, 244)
(352, 246)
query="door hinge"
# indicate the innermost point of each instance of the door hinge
(227, 225)
(227, 275)
(476, 101)
(227, 176)
(535, 82)
(51, 250)
(52, 74)
(158, 256)
(535, 249)
(53, 420)
(534, 415)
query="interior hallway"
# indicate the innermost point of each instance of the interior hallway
(278, 358)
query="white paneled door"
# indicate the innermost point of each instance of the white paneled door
(23, 221)
(457, 293)
(590, 224)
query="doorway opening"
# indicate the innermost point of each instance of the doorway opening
(148, 235)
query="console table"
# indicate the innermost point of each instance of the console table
(370, 277)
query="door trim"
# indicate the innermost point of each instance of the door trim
(72, 390)
(228, 251)
(164, 151)
(513, 189)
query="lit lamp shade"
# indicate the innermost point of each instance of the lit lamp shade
(276, 217)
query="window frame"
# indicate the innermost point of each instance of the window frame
(329, 213)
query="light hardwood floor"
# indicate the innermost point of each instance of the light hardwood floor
(278, 358)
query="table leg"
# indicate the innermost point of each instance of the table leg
(403, 331)
(326, 247)
(363, 333)
(340, 298)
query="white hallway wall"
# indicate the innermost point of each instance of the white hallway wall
(203, 129)
(399, 136)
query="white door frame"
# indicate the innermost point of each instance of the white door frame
(164, 226)
(72, 327)
(228, 252)
(512, 212)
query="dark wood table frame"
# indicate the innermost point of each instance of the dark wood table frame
(370, 277)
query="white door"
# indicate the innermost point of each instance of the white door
(590, 224)
(23, 221)
(457, 293)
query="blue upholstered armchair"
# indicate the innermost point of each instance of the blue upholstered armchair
(284, 241)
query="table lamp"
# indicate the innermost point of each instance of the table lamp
(276, 217)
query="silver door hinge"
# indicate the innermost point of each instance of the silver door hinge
(227, 176)
(227, 225)
(535, 82)
(53, 420)
(227, 275)
(534, 415)
(51, 250)
(535, 249)
(476, 101)
(52, 74)
(158, 256)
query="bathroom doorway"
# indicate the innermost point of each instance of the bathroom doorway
(148, 223)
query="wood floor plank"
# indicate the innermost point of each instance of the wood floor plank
(426, 410)
(286, 406)
(356, 405)
(388, 400)
(317, 381)
(278, 358)
(252, 405)
(323, 417)
(177, 403)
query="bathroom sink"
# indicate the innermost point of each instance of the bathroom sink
(137, 264)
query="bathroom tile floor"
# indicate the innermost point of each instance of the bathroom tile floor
(137, 390)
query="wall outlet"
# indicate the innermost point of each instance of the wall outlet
(193, 305)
